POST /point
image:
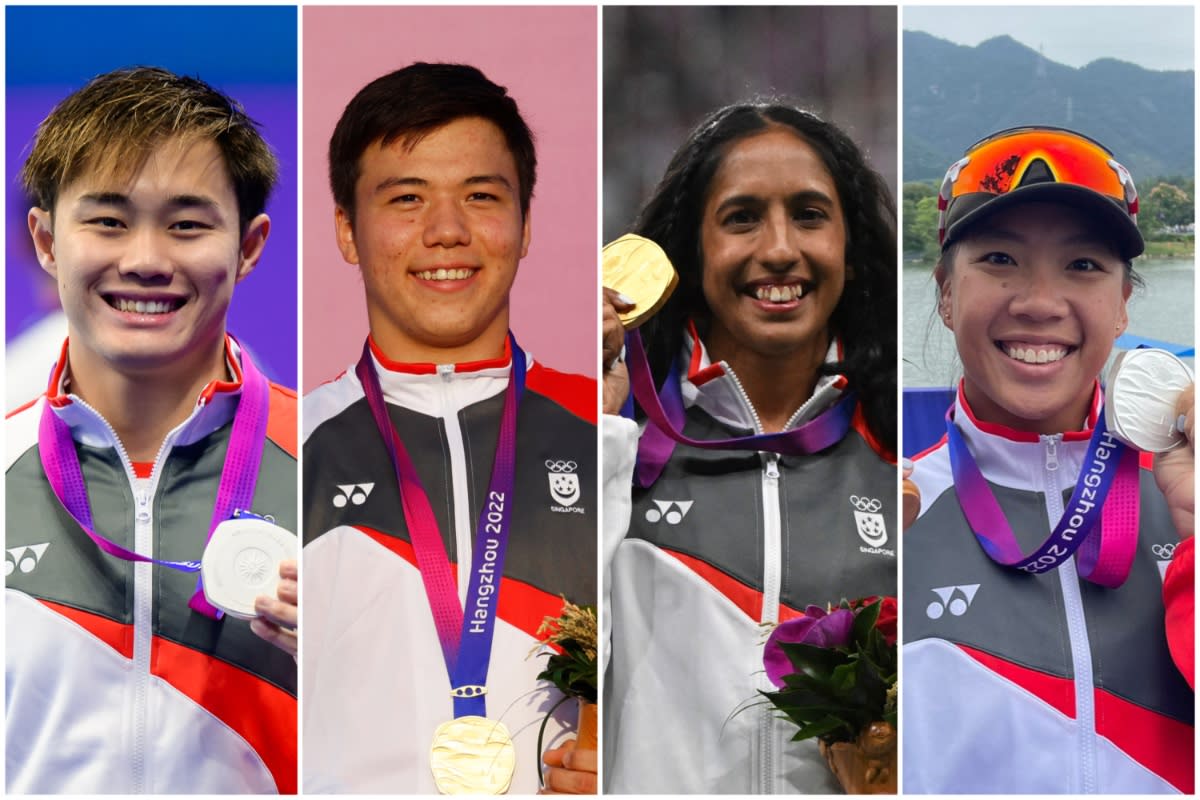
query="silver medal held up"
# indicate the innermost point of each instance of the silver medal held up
(241, 562)
(1140, 395)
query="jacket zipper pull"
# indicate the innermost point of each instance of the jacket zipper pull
(772, 466)
(1051, 453)
(445, 370)
(143, 501)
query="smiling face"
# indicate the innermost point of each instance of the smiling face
(146, 265)
(773, 240)
(1035, 297)
(438, 233)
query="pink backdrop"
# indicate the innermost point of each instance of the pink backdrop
(546, 57)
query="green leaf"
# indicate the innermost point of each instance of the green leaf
(812, 660)
(864, 622)
(821, 728)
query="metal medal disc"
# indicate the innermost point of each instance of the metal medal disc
(1141, 391)
(472, 755)
(639, 269)
(241, 562)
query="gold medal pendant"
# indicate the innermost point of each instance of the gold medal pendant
(639, 269)
(472, 755)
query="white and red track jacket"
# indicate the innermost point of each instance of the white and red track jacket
(375, 684)
(721, 543)
(1018, 683)
(113, 685)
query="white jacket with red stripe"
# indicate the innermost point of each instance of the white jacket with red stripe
(375, 684)
(721, 543)
(1042, 684)
(112, 684)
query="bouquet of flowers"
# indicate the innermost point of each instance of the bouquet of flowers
(570, 638)
(835, 674)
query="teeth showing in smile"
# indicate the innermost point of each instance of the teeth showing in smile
(445, 274)
(1036, 355)
(779, 294)
(142, 306)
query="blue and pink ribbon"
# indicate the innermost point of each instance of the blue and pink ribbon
(666, 413)
(465, 637)
(235, 492)
(1099, 524)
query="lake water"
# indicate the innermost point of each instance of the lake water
(1163, 309)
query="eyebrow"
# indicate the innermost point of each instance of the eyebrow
(474, 180)
(806, 196)
(123, 201)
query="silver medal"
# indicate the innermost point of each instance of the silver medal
(241, 562)
(1140, 395)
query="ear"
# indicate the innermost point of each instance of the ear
(945, 298)
(525, 235)
(1123, 317)
(253, 242)
(344, 231)
(41, 230)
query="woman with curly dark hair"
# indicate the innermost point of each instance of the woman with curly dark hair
(780, 335)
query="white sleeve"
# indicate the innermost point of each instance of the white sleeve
(619, 448)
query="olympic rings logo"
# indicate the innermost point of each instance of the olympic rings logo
(868, 504)
(561, 466)
(1164, 551)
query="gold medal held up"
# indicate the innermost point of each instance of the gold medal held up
(639, 269)
(472, 755)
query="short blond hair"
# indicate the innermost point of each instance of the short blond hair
(113, 124)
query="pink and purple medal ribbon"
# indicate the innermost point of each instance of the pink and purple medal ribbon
(1099, 523)
(466, 638)
(667, 415)
(60, 461)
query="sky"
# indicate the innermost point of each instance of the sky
(1155, 37)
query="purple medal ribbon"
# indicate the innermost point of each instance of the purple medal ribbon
(1103, 533)
(667, 415)
(60, 461)
(466, 638)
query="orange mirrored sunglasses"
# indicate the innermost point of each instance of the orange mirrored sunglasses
(999, 164)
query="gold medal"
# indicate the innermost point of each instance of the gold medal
(639, 269)
(472, 755)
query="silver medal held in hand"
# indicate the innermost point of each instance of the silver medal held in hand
(241, 562)
(1140, 395)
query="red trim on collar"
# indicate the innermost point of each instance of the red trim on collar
(1015, 435)
(235, 367)
(59, 400)
(698, 376)
(53, 396)
(428, 368)
(143, 469)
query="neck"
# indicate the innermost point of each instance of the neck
(407, 350)
(776, 385)
(142, 408)
(1073, 418)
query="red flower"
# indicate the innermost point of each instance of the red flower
(886, 624)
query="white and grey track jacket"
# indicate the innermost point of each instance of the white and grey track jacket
(723, 542)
